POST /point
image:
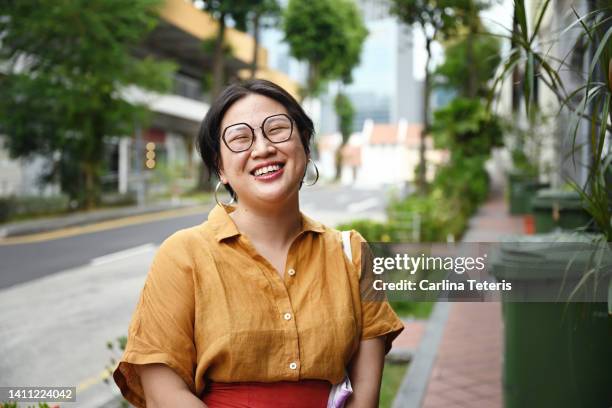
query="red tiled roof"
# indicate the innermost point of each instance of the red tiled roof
(351, 155)
(384, 134)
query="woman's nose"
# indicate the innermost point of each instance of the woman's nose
(261, 145)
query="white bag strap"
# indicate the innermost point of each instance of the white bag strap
(346, 244)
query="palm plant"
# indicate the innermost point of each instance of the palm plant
(588, 104)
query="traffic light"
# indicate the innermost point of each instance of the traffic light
(150, 163)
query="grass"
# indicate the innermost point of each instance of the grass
(393, 375)
(414, 310)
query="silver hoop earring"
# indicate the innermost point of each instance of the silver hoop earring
(219, 184)
(316, 169)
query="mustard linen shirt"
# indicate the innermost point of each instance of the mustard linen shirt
(213, 308)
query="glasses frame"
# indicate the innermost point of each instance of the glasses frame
(263, 123)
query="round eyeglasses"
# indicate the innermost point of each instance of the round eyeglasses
(240, 136)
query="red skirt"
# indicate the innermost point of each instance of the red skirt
(282, 394)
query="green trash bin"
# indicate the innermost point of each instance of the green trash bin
(522, 190)
(555, 354)
(554, 209)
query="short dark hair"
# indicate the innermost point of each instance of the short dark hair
(208, 142)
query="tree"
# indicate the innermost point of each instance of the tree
(345, 111)
(329, 35)
(481, 67)
(221, 10)
(261, 11)
(437, 19)
(68, 65)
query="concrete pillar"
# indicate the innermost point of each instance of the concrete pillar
(124, 164)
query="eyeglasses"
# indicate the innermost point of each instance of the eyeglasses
(240, 136)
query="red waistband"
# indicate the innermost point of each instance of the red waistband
(282, 394)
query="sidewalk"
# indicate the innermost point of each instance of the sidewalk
(459, 361)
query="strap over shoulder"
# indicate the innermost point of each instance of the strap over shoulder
(346, 244)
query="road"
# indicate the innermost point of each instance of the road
(61, 300)
(23, 263)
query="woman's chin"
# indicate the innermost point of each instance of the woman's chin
(273, 195)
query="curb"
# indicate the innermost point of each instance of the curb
(75, 220)
(413, 387)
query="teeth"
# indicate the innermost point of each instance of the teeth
(267, 169)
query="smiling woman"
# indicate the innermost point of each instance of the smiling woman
(258, 306)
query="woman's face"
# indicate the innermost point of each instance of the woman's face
(267, 172)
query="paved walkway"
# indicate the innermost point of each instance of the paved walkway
(465, 364)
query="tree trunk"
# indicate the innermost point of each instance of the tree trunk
(218, 59)
(256, 18)
(339, 160)
(217, 83)
(472, 85)
(421, 180)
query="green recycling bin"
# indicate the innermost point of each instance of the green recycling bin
(555, 354)
(558, 209)
(522, 190)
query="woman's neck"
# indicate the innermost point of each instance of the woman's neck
(276, 227)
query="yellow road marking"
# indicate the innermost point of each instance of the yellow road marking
(102, 226)
(85, 384)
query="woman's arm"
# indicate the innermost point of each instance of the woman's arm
(163, 388)
(365, 372)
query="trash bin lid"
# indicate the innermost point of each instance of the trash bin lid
(566, 200)
(551, 256)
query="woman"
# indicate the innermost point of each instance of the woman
(258, 306)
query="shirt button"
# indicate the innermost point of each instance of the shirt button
(291, 272)
(293, 366)
(287, 316)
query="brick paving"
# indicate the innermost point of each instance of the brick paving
(410, 338)
(467, 371)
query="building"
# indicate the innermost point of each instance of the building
(385, 86)
(380, 154)
(175, 116)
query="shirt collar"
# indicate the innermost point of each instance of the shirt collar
(223, 226)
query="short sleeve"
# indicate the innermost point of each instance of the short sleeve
(379, 318)
(161, 329)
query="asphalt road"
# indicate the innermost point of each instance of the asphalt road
(25, 262)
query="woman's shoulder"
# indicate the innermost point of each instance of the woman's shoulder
(187, 239)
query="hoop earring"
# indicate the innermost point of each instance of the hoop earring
(306, 171)
(219, 184)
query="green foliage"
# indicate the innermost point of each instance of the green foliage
(589, 104)
(459, 187)
(437, 20)
(443, 16)
(69, 64)
(372, 231)
(329, 35)
(236, 9)
(465, 127)
(16, 207)
(458, 65)
(393, 374)
(346, 112)
(116, 347)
